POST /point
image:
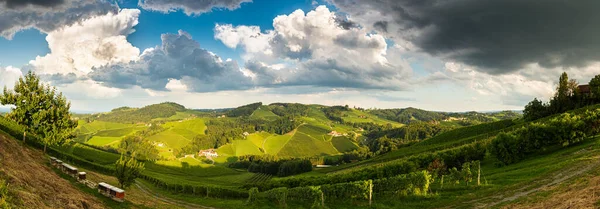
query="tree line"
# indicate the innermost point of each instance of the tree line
(272, 165)
(568, 96)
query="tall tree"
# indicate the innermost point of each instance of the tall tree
(41, 109)
(127, 169)
(562, 94)
(595, 86)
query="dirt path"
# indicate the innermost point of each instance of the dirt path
(169, 200)
(556, 179)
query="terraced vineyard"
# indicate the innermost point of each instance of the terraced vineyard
(259, 177)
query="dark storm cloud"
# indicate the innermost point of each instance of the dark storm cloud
(497, 36)
(12, 4)
(47, 16)
(190, 7)
(179, 57)
(381, 26)
(344, 22)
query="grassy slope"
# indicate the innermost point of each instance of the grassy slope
(354, 116)
(343, 144)
(264, 113)
(33, 184)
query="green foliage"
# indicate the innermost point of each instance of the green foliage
(415, 183)
(278, 194)
(595, 87)
(127, 170)
(41, 109)
(252, 193)
(350, 190)
(271, 165)
(289, 109)
(408, 115)
(142, 115)
(535, 110)
(335, 113)
(245, 110)
(454, 157)
(138, 147)
(4, 195)
(565, 129)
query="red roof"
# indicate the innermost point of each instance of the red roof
(584, 89)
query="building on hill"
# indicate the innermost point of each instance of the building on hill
(584, 89)
(208, 153)
(245, 134)
(334, 133)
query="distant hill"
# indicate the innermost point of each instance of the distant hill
(144, 114)
(408, 115)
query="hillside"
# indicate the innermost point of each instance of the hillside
(34, 185)
(142, 115)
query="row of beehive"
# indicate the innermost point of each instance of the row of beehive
(108, 190)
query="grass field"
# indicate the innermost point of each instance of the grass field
(245, 147)
(264, 113)
(104, 141)
(343, 144)
(302, 145)
(171, 139)
(273, 144)
(317, 132)
(258, 138)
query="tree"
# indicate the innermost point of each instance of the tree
(535, 110)
(561, 97)
(595, 86)
(127, 169)
(41, 109)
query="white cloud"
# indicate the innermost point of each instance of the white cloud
(9, 76)
(176, 85)
(319, 51)
(94, 42)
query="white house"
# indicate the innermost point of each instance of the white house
(208, 153)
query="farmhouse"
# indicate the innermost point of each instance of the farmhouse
(208, 153)
(245, 134)
(334, 133)
(584, 89)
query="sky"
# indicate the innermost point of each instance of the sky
(454, 55)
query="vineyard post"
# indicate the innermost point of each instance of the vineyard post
(478, 173)
(322, 199)
(370, 192)
(442, 187)
(24, 135)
